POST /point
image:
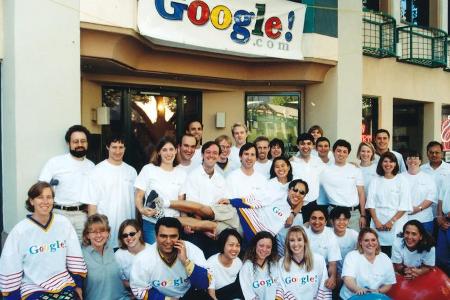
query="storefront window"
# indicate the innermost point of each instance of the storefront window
(369, 123)
(445, 131)
(274, 116)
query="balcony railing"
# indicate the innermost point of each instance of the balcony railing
(378, 34)
(423, 46)
(447, 68)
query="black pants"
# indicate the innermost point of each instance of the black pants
(387, 250)
(194, 294)
(230, 292)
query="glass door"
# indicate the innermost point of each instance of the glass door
(145, 115)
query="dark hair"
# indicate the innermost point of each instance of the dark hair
(426, 243)
(381, 130)
(180, 141)
(250, 254)
(323, 139)
(272, 167)
(209, 144)
(315, 127)
(169, 222)
(413, 153)
(391, 156)
(434, 143)
(276, 142)
(260, 139)
(294, 182)
(192, 121)
(320, 208)
(224, 235)
(338, 211)
(342, 143)
(91, 220)
(35, 191)
(76, 128)
(246, 147)
(133, 223)
(115, 138)
(162, 142)
(305, 137)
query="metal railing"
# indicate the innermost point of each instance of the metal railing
(447, 68)
(423, 46)
(378, 34)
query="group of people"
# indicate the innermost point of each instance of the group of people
(224, 220)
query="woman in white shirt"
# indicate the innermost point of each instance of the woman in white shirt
(225, 266)
(413, 252)
(159, 182)
(388, 201)
(299, 265)
(259, 274)
(366, 155)
(367, 270)
(131, 242)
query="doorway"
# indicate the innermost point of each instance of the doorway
(408, 126)
(145, 115)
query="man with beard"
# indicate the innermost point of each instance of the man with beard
(67, 173)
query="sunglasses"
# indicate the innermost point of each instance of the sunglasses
(131, 234)
(299, 191)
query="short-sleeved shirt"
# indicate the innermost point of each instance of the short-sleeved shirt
(242, 185)
(310, 172)
(221, 275)
(125, 260)
(168, 185)
(367, 275)
(347, 243)
(422, 188)
(340, 184)
(402, 255)
(324, 243)
(71, 176)
(199, 187)
(263, 168)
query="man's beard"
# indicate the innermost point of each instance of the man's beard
(78, 152)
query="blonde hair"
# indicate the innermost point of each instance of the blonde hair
(361, 236)
(307, 261)
(372, 148)
(223, 137)
(238, 125)
(94, 220)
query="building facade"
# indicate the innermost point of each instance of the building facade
(89, 61)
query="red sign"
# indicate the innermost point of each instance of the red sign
(445, 134)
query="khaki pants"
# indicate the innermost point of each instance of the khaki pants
(77, 218)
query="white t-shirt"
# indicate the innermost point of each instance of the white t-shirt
(401, 162)
(441, 177)
(306, 284)
(402, 255)
(324, 243)
(187, 169)
(367, 274)
(150, 271)
(196, 159)
(387, 197)
(72, 176)
(234, 154)
(369, 173)
(422, 188)
(168, 185)
(346, 243)
(263, 168)
(125, 261)
(111, 188)
(444, 195)
(309, 172)
(199, 187)
(340, 184)
(221, 275)
(258, 283)
(241, 185)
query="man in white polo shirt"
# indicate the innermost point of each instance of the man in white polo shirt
(382, 138)
(186, 151)
(67, 173)
(308, 168)
(263, 163)
(245, 181)
(343, 184)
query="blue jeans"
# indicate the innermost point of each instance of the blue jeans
(443, 250)
(148, 229)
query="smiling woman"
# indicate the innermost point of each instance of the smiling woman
(39, 248)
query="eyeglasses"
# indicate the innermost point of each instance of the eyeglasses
(131, 234)
(301, 192)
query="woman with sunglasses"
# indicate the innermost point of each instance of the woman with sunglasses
(103, 280)
(131, 243)
(300, 264)
(259, 275)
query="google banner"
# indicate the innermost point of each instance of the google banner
(267, 28)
